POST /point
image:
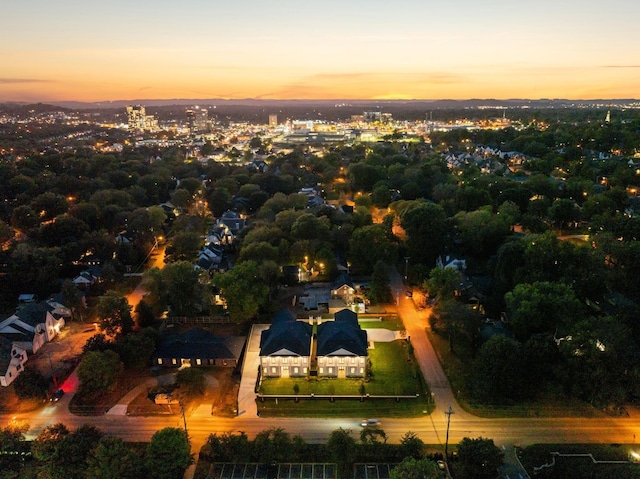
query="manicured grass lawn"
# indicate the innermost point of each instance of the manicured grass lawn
(392, 324)
(394, 373)
(371, 407)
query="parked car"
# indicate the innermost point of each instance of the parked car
(370, 422)
(57, 395)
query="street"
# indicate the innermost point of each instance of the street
(431, 429)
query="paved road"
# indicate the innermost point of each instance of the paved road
(432, 429)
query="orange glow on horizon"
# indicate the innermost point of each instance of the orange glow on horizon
(355, 50)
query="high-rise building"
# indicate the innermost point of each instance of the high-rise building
(372, 116)
(136, 116)
(273, 120)
(138, 120)
(197, 119)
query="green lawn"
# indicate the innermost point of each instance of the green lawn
(394, 372)
(371, 407)
(390, 323)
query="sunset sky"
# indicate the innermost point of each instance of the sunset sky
(347, 49)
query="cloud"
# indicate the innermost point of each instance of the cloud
(9, 81)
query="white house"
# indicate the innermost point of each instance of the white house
(342, 347)
(12, 359)
(34, 324)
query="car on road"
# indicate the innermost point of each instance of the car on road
(370, 422)
(57, 395)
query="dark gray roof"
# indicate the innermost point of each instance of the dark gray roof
(342, 280)
(200, 344)
(286, 333)
(343, 333)
(346, 315)
(34, 313)
(5, 354)
(204, 263)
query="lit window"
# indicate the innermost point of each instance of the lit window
(304, 370)
(341, 360)
(159, 360)
(264, 370)
(295, 370)
(273, 370)
(285, 360)
(321, 370)
(198, 362)
(174, 361)
(361, 370)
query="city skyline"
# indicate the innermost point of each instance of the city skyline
(89, 51)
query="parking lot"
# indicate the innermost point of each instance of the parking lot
(276, 471)
(295, 471)
(372, 471)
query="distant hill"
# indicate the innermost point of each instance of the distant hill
(339, 103)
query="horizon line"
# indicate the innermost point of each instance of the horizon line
(310, 100)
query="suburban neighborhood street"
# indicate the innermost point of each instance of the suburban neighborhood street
(200, 423)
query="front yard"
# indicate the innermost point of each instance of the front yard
(394, 373)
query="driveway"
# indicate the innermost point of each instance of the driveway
(247, 392)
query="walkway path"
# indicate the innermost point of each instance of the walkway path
(247, 391)
(120, 409)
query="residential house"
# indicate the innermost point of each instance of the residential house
(199, 347)
(88, 277)
(285, 348)
(34, 324)
(314, 197)
(124, 237)
(258, 165)
(316, 296)
(210, 257)
(169, 210)
(343, 288)
(233, 221)
(12, 359)
(341, 348)
(220, 234)
(452, 263)
(27, 298)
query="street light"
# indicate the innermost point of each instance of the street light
(406, 267)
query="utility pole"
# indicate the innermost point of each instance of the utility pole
(184, 418)
(446, 442)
